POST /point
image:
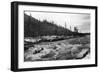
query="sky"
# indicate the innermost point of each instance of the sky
(79, 20)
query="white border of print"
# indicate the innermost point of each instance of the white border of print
(22, 64)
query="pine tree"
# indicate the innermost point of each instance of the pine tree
(29, 23)
(76, 29)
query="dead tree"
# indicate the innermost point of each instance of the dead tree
(70, 28)
(65, 25)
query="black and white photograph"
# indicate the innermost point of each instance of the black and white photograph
(56, 36)
(53, 36)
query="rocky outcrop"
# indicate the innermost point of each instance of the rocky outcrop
(59, 51)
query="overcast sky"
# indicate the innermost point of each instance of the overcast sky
(82, 21)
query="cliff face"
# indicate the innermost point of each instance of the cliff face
(34, 27)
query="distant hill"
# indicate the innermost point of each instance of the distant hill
(34, 27)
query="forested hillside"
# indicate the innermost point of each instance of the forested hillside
(34, 27)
